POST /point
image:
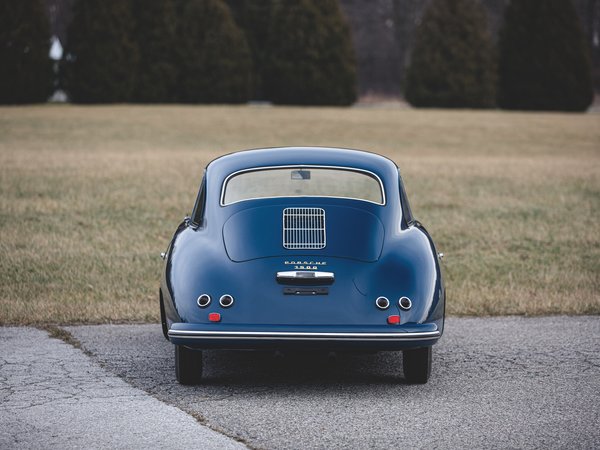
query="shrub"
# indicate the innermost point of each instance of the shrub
(452, 62)
(544, 60)
(26, 74)
(100, 58)
(310, 57)
(155, 37)
(254, 18)
(213, 54)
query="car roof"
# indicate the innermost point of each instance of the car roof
(284, 156)
(221, 168)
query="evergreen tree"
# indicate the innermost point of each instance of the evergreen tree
(26, 70)
(544, 61)
(452, 62)
(254, 18)
(310, 55)
(100, 58)
(214, 58)
(155, 36)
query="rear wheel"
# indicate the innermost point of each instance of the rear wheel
(188, 365)
(417, 365)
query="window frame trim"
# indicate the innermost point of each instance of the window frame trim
(301, 167)
(200, 204)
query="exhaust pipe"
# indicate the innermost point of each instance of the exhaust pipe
(226, 301)
(382, 303)
(203, 301)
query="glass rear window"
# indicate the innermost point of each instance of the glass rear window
(303, 182)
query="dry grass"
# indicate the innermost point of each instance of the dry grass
(91, 195)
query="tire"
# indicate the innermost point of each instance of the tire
(417, 365)
(163, 316)
(188, 365)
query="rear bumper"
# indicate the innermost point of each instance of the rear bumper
(396, 338)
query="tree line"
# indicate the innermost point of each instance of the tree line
(541, 62)
(194, 51)
(291, 52)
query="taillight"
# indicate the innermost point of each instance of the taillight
(393, 320)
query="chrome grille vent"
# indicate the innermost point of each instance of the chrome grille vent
(303, 228)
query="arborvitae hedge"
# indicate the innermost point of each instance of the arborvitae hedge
(254, 18)
(213, 55)
(155, 35)
(452, 62)
(26, 74)
(311, 58)
(544, 60)
(100, 58)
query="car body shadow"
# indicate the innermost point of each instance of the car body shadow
(300, 368)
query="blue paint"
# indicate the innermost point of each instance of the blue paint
(373, 250)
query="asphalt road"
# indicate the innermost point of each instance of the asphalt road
(496, 383)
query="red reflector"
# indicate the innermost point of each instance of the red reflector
(214, 317)
(393, 320)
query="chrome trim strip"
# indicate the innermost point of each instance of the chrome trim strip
(285, 335)
(301, 166)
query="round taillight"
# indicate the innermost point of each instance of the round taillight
(226, 301)
(382, 303)
(203, 301)
(405, 303)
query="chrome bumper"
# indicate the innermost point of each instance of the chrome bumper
(304, 336)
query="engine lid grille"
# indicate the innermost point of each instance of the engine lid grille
(304, 228)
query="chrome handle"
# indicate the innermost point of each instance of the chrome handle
(305, 277)
(293, 274)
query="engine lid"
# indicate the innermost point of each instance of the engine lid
(334, 231)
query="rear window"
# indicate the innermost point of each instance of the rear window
(303, 182)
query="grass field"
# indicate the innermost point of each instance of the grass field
(91, 195)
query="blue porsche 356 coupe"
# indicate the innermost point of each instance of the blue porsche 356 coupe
(309, 248)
